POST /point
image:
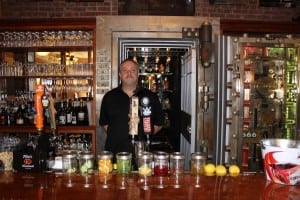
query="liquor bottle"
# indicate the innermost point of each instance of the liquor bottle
(145, 82)
(156, 68)
(30, 112)
(167, 68)
(3, 117)
(166, 83)
(62, 114)
(74, 114)
(82, 114)
(161, 68)
(69, 112)
(20, 115)
(153, 85)
(11, 113)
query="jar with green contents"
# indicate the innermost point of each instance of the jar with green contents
(69, 162)
(123, 162)
(86, 162)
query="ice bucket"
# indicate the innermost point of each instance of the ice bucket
(281, 160)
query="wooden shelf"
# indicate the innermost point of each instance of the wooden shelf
(59, 130)
(41, 25)
(51, 76)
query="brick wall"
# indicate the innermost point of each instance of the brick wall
(57, 9)
(249, 10)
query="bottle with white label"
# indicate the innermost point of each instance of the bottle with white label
(82, 114)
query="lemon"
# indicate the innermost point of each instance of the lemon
(209, 169)
(234, 170)
(221, 170)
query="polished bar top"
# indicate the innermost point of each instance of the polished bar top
(131, 187)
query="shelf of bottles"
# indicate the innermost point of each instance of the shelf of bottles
(59, 143)
(155, 74)
(270, 92)
(291, 93)
(47, 55)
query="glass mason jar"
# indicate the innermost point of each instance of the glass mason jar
(105, 165)
(176, 163)
(86, 162)
(161, 164)
(198, 161)
(145, 164)
(123, 162)
(69, 162)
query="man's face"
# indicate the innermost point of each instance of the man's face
(129, 73)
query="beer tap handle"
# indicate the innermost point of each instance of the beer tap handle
(134, 117)
(48, 102)
(39, 92)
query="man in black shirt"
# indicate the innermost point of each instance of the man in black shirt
(115, 107)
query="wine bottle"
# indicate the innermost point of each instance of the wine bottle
(69, 112)
(20, 116)
(3, 116)
(62, 114)
(82, 114)
(74, 114)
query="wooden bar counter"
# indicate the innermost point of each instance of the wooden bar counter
(114, 186)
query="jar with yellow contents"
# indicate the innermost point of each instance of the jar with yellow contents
(145, 169)
(198, 161)
(145, 164)
(105, 165)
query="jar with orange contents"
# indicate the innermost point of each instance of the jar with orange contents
(105, 165)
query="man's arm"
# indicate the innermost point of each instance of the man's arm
(157, 129)
(105, 128)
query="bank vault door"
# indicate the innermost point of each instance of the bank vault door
(188, 104)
